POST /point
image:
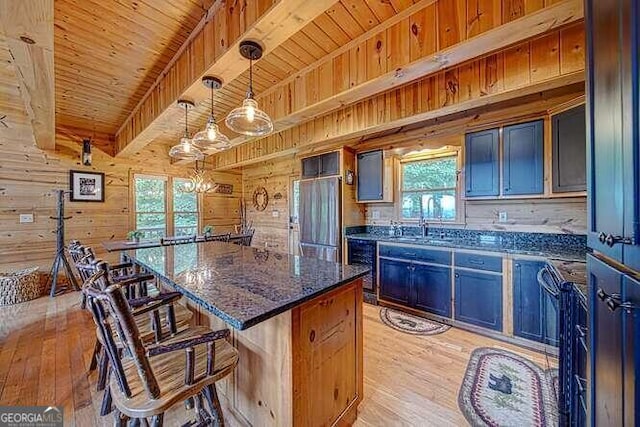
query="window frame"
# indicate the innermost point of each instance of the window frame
(432, 155)
(168, 203)
(174, 212)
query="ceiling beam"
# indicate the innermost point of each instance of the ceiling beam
(213, 50)
(27, 27)
(421, 42)
(542, 64)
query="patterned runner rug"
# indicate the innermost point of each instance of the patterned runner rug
(501, 388)
(410, 324)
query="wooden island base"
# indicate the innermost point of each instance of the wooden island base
(300, 368)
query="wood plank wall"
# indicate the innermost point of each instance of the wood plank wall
(28, 175)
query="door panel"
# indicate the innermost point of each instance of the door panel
(569, 150)
(478, 299)
(523, 164)
(432, 289)
(606, 377)
(528, 302)
(482, 175)
(394, 281)
(631, 344)
(370, 175)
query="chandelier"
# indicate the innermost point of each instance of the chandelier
(248, 119)
(198, 183)
(210, 139)
(185, 150)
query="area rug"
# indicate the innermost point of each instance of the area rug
(501, 388)
(410, 324)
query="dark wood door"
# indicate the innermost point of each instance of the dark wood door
(523, 158)
(528, 301)
(431, 286)
(395, 281)
(569, 157)
(606, 379)
(478, 298)
(482, 174)
(369, 175)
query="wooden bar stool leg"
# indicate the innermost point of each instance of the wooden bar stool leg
(157, 421)
(94, 357)
(103, 369)
(211, 395)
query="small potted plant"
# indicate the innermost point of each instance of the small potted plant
(134, 235)
(207, 230)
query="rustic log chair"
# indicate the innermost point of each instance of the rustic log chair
(137, 287)
(177, 240)
(148, 312)
(150, 380)
(243, 239)
(218, 238)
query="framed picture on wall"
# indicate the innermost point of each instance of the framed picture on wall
(86, 186)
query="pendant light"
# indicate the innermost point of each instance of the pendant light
(248, 119)
(210, 139)
(185, 150)
(198, 183)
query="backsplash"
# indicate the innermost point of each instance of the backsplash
(535, 242)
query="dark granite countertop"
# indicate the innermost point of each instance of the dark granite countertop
(242, 285)
(564, 253)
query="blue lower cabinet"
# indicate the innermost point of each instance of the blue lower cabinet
(528, 301)
(478, 299)
(432, 289)
(631, 351)
(395, 281)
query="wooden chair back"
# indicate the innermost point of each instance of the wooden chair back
(218, 238)
(177, 240)
(107, 299)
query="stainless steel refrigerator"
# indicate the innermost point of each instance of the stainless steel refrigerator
(320, 224)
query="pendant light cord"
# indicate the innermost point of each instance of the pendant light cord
(250, 92)
(186, 125)
(213, 118)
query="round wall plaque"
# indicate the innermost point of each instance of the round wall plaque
(260, 199)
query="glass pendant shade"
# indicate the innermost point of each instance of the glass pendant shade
(185, 150)
(210, 138)
(249, 119)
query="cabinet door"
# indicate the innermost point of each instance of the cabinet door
(370, 175)
(482, 174)
(329, 164)
(631, 345)
(523, 159)
(528, 301)
(569, 157)
(478, 299)
(605, 164)
(432, 289)
(310, 167)
(606, 379)
(395, 281)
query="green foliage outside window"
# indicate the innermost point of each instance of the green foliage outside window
(150, 206)
(429, 189)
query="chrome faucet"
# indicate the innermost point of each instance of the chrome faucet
(424, 226)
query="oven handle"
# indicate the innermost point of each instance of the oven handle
(545, 285)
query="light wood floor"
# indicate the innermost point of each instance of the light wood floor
(46, 344)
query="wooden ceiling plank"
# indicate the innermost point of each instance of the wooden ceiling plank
(361, 13)
(33, 62)
(332, 29)
(405, 68)
(342, 18)
(382, 9)
(274, 27)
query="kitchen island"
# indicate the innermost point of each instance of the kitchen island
(296, 322)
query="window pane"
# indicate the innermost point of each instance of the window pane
(150, 195)
(428, 174)
(183, 202)
(436, 205)
(151, 224)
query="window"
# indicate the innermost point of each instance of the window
(185, 210)
(151, 209)
(428, 188)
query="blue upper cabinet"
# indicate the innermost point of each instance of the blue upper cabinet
(370, 170)
(482, 174)
(523, 159)
(613, 126)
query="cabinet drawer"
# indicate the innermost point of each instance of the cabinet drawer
(416, 254)
(479, 262)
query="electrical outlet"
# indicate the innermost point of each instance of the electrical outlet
(502, 217)
(24, 218)
(375, 214)
(275, 214)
